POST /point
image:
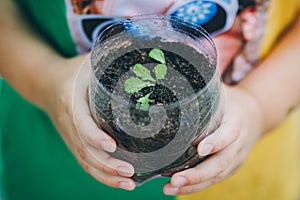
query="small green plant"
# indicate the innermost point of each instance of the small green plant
(144, 78)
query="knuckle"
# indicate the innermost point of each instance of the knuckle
(105, 167)
(186, 190)
(235, 133)
(193, 177)
(112, 182)
(216, 179)
(236, 128)
(64, 91)
(108, 169)
(64, 102)
(86, 167)
(82, 152)
(93, 139)
(223, 163)
(101, 166)
(197, 178)
(60, 119)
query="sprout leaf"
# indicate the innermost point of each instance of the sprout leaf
(133, 85)
(157, 55)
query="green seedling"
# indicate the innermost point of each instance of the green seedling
(143, 102)
(144, 78)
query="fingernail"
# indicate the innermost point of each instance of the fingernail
(205, 149)
(124, 171)
(171, 191)
(126, 185)
(107, 146)
(179, 181)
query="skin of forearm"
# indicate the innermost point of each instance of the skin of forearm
(275, 83)
(25, 58)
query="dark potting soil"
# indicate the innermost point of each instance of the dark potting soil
(183, 120)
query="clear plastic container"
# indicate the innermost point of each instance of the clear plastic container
(156, 90)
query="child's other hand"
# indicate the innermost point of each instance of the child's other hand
(229, 145)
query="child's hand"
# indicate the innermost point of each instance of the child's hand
(229, 145)
(71, 116)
